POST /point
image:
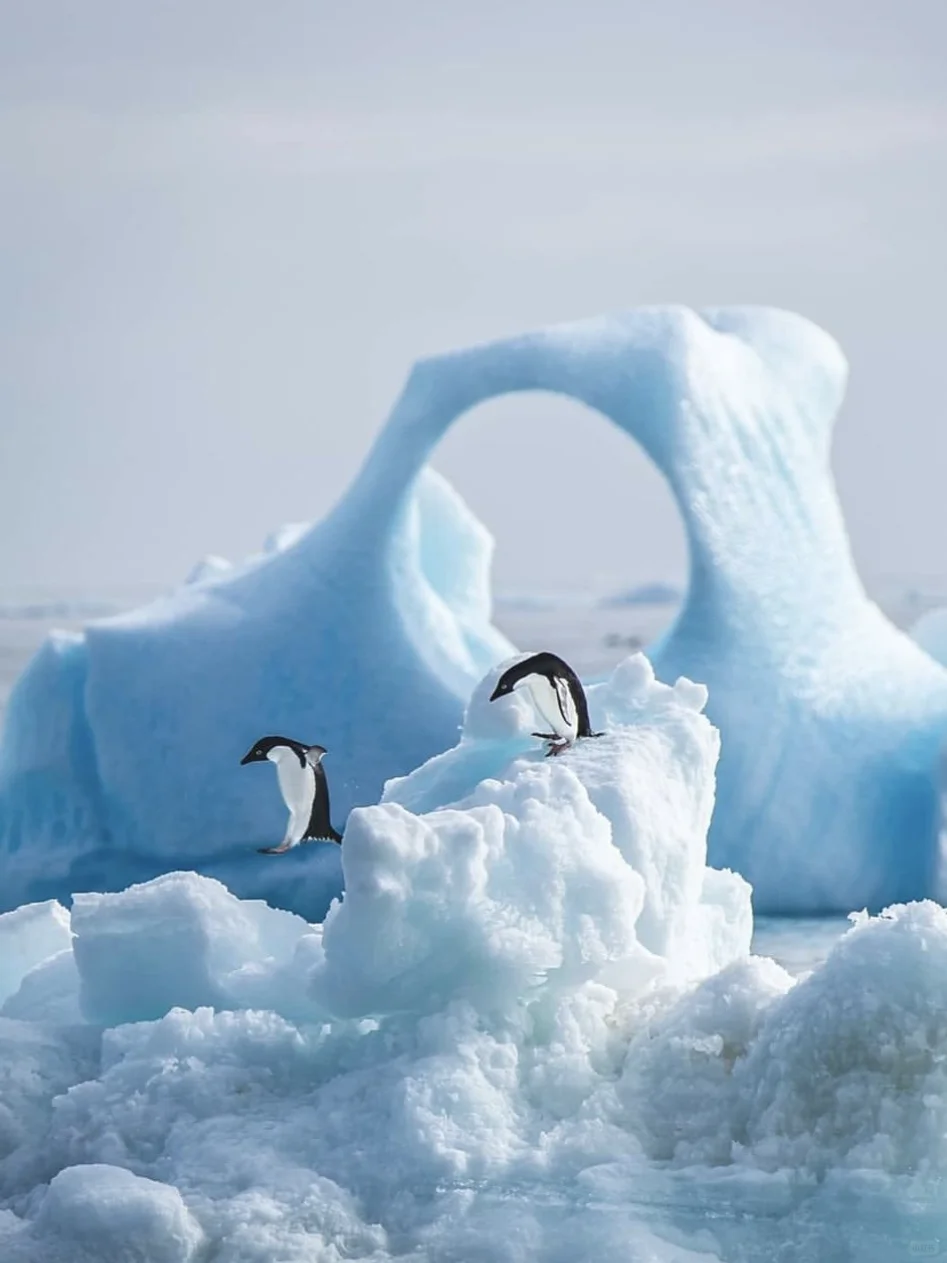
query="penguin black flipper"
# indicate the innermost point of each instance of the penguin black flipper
(319, 828)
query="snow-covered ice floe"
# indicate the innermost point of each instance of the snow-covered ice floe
(531, 1030)
(367, 633)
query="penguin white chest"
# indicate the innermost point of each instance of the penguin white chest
(297, 785)
(553, 701)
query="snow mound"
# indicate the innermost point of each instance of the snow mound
(442, 1029)
(121, 747)
(845, 1069)
(645, 788)
(103, 1214)
(517, 1037)
(610, 841)
(851, 1067)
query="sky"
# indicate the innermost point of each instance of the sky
(229, 228)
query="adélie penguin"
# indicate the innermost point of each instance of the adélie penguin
(557, 694)
(305, 790)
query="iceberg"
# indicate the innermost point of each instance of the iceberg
(370, 650)
(368, 632)
(529, 1031)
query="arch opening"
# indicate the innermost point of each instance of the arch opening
(591, 554)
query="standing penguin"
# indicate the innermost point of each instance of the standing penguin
(305, 790)
(557, 694)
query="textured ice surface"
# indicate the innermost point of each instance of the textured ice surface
(367, 633)
(96, 1213)
(610, 841)
(183, 941)
(518, 1038)
(28, 936)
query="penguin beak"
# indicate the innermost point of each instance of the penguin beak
(499, 691)
(249, 757)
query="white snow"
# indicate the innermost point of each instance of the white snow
(530, 1031)
(367, 632)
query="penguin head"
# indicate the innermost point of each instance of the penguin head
(507, 685)
(262, 749)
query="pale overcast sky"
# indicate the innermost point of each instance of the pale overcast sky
(229, 227)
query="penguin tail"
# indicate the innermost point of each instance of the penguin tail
(329, 836)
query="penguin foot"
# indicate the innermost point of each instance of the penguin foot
(275, 850)
(557, 747)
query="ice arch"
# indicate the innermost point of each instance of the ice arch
(575, 508)
(831, 720)
(366, 633)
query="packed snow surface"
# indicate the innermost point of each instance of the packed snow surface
(531, 1030)
(367, 632)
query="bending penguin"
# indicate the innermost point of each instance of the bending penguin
(305, 790)
(557, 694)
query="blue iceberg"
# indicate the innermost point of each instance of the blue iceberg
(368, 632)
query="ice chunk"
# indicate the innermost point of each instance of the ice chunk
(109, 1214)
(184, 940)
(120, 754)
(28, 936)
(845, 1069)
(850, 1069)
(49, 993)
(649, 781)
(678, 1084)
(511, 867)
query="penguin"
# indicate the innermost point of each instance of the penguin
(305, 790)
(557, 694)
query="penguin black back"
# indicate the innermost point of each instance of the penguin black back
(552, 667)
